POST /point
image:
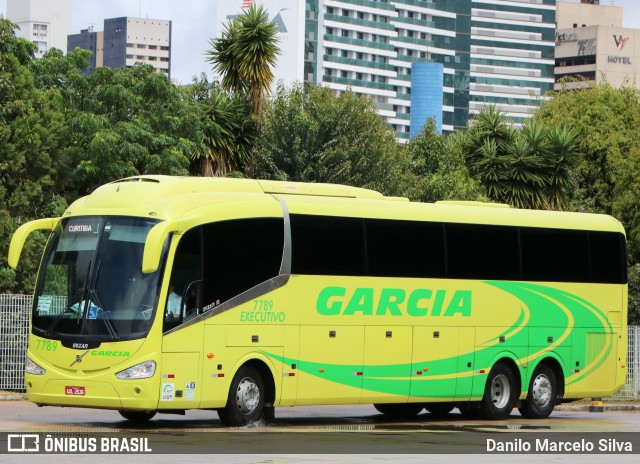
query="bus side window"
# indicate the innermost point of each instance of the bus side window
(184, 300)
(238, 255)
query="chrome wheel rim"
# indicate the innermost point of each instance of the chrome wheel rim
(247, 396)
(542, 390)
(500, 391)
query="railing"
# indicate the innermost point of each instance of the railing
(14, 333)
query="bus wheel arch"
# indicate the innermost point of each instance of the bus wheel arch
(269, 385)
(546, 387)
(251, 396)
(502, 390)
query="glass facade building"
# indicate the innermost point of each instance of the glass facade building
(498, 52)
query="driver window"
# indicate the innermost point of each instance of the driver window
(185, 284)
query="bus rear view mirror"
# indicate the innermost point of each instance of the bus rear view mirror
(154, 243)
(20, 236)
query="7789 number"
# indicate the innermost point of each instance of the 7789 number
(262, 305)
(47, 345)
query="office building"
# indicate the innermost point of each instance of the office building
(126, 41)
(498, 52)
(89, 40)
(46, 23)
(593, 47)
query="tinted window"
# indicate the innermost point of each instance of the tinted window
(405, 248)
(325, 245)
(482, 252)
(555, 255)
(238, 255)
(608, 257)
(185, 286)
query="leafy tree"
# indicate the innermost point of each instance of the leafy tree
(318, 137)
(31, 134)
(64, 74)
(119, 122)
(245, 54)
(439, 167)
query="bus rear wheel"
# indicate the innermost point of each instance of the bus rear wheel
(543, 391)
(137, 417)
(500, 393)
(400, 410)
(245, 403)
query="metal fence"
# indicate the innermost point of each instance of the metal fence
(14, 335)
(14, 332)
(631, 390)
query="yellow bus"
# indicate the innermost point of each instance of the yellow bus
(161, 294)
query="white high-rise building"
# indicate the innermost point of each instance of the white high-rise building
(419, 58)
(44, 22)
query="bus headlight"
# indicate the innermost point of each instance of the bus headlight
(32, 368)
(139, 371)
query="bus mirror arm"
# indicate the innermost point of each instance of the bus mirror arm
(20, 236)
(154, 243)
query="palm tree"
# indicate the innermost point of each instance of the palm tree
(564, 156)
(528, 168)
(245, 54)
(485, 147)
(229, 133)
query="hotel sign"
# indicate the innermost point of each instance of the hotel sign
(619, 59)
(620, 42)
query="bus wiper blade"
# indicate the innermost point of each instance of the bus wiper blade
(102, 313)
(54, 323)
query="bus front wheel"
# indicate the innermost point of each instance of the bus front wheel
(245, 404)
(500, 393)
(543, 391)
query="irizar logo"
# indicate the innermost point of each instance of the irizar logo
(333, 301)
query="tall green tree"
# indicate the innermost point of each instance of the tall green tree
(245, 54)
(31, 159)
(439, 168)
(119, 122)
(318, 137)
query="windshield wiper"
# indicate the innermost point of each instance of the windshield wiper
(102, 312)
(53, 324)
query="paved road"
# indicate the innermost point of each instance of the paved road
(314, 434)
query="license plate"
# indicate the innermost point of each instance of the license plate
(78, 391)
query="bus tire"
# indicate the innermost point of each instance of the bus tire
(138, 417)
(245, 403)
(399, 410)
(439, 409)
(500, 393)
(542, 394)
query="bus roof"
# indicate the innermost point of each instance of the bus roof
(167, 197)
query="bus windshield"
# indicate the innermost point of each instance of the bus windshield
(91, 286)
